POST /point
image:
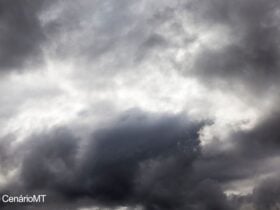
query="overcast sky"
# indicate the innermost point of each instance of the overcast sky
(140, 104)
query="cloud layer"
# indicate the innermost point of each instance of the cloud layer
(141, 105)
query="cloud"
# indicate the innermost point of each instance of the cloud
(251, 56)
(266, 195)
(51, 157)
(119, 151)
(21, 34)
(137, 159)
(105, 57)
(247, 153)
(246, 164)
(262, 140)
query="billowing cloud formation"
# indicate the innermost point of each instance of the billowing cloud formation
(251, 54)
(138, 159)
(205, 75)
(113, 166)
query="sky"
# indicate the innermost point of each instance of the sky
(140, 105)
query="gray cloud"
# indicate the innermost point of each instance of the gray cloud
(262, 140)
(5, 156)
(251, 58)
(119, 151)
(51, 157)
(266, 195)
(141, 159)
(21, 34)
(127, 32)
(248, 155)
(138, 159)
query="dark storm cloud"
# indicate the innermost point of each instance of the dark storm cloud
(252, 56)
(225, 167)
(267, 194)
(50, 160)
(172, 184)
(46, 162)
(151, 160)
(118, 152)
(249, 156)
(138, 159)
(249, 153)
(261, 141)
(21, 34)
